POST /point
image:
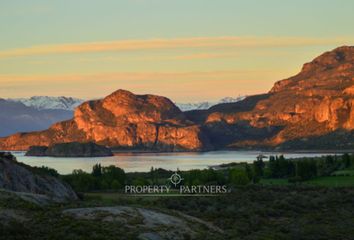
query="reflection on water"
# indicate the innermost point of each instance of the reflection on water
(139, 162)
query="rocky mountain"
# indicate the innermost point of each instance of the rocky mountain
(45, 102)
(313, 108)
(207, 104)
(17, 117)
(18, 177)
(122, 120)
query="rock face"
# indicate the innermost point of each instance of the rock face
(19, 177)
(317, 102)
(121, 120)
(73, 149)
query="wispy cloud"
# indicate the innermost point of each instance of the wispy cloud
(177, 43)
(126, 76)
(180, 86)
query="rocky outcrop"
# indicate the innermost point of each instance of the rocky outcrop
(18, 177)
(314, 103)
(121, 120)
(73, 149)
(151, 224)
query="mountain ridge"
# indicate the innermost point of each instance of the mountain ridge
(315, 103)
(46, 102)
(17, 117)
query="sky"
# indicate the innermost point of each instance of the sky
(187, 50)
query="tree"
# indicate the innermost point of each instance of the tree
(97, 170)
(238, 177)
(116, 185)
(112, 173)
(258, 167)
(153, 175)
(81, 181)
(306, 169)
(249, 172)
(346, 160)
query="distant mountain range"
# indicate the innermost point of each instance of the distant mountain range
(17, 117)
(45, 102)
(205, 105)
(70, 103)
(40, 112)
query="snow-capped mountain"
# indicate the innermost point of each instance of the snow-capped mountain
(45, 102)
(17, 117)
(206, 104)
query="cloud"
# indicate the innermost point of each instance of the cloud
(175, 43)
(127, 76)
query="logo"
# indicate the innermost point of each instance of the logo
(180, 189)
(175, 179)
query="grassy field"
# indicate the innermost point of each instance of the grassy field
(349, 172)
(330, 181)
(333, 181)
(274, 181)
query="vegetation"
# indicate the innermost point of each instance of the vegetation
(101, 178)
(276, 170)
(253, 212)
(274, 199)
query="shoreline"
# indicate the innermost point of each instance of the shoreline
(138, 152)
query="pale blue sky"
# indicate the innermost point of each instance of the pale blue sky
(322, 24)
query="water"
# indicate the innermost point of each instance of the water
(142, 162)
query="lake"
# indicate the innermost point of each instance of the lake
(140, 162)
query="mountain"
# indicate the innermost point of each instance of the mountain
(122, 120)
(313, 109)
(45, 102)
(17, 117)
(205, 105)
(70, 103)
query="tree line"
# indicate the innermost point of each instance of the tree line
(295, 170)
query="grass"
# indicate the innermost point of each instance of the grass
(342, 178)
(344, 173)
(333, 181)
(274, 181)
(250, 212)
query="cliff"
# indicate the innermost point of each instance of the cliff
(317, 102)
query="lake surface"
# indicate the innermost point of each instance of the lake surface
(140, 162)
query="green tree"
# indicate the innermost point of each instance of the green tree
(97, 170)
(346, 160)
(258, 167)
(116, 185)
(112, 173)
(238, 177)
